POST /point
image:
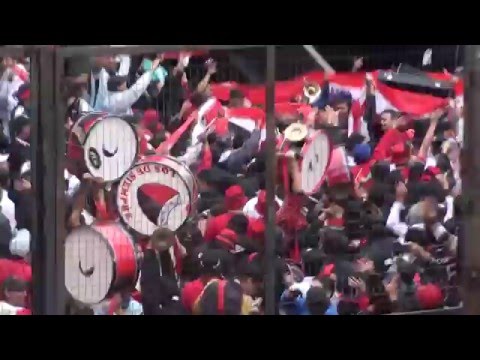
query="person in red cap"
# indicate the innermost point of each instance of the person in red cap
(235, 200)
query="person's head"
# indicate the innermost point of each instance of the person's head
(239, 224)
(362, 153)
(21, 127)
(150, 120)
(162, 239)
(235, 198)
(250, 275)
(211, 263)
(226, 240)
(237, 99)
(204, 179)
(117, 83)
(388, 119)
(198, 98)
(317, 301)
(23, 94)
(14, 291)
(20, 244)
(342, 102)
(8, 62)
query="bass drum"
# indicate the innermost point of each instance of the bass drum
(159, 191)
(316, 155)
(99, 260)
(103, 145)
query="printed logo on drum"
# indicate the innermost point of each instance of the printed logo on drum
(153, 195)
(94, 158)
(152, 199)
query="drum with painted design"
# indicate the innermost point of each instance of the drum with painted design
(159, 191)
(315, 155)
(99, 261)
(103, 145)
(338, 171)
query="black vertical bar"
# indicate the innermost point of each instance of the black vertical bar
(60, 185)
(270, 300)
(470, 246)
(47, 259)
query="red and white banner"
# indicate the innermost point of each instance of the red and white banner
(387, 97)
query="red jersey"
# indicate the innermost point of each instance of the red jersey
(15, 268)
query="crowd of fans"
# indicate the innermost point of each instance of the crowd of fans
(384, 242)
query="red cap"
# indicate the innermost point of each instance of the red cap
(227, 237)
(257, 229)
(429, 296)
(150, 117)
(235, 198)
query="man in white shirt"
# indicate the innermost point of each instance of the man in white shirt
(120, 98)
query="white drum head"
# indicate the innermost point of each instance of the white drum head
(316, 157)
(153, 195)
(89, 266)
(111, 148)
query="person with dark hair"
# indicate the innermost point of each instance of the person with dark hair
(235, 200)
(317, 301)
(13, 297)
(211, 266)
(237, 99)
(158, 279)
(388, 119)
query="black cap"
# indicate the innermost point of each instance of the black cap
(211, 261)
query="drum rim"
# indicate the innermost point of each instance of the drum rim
(137, 144)
(144, 162)
(71, 133)
(115, 279)
(330, 148)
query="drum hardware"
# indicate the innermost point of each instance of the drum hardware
(312, 150)
(312, 91)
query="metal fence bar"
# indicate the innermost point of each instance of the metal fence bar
(471, 183)
(270, 300)
(12, 50)
(452, 311)
(49, 191)
(98, 50)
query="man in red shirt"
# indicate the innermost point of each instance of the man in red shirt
(235, 200)
(394, 144)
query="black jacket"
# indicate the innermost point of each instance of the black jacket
(160, 292)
